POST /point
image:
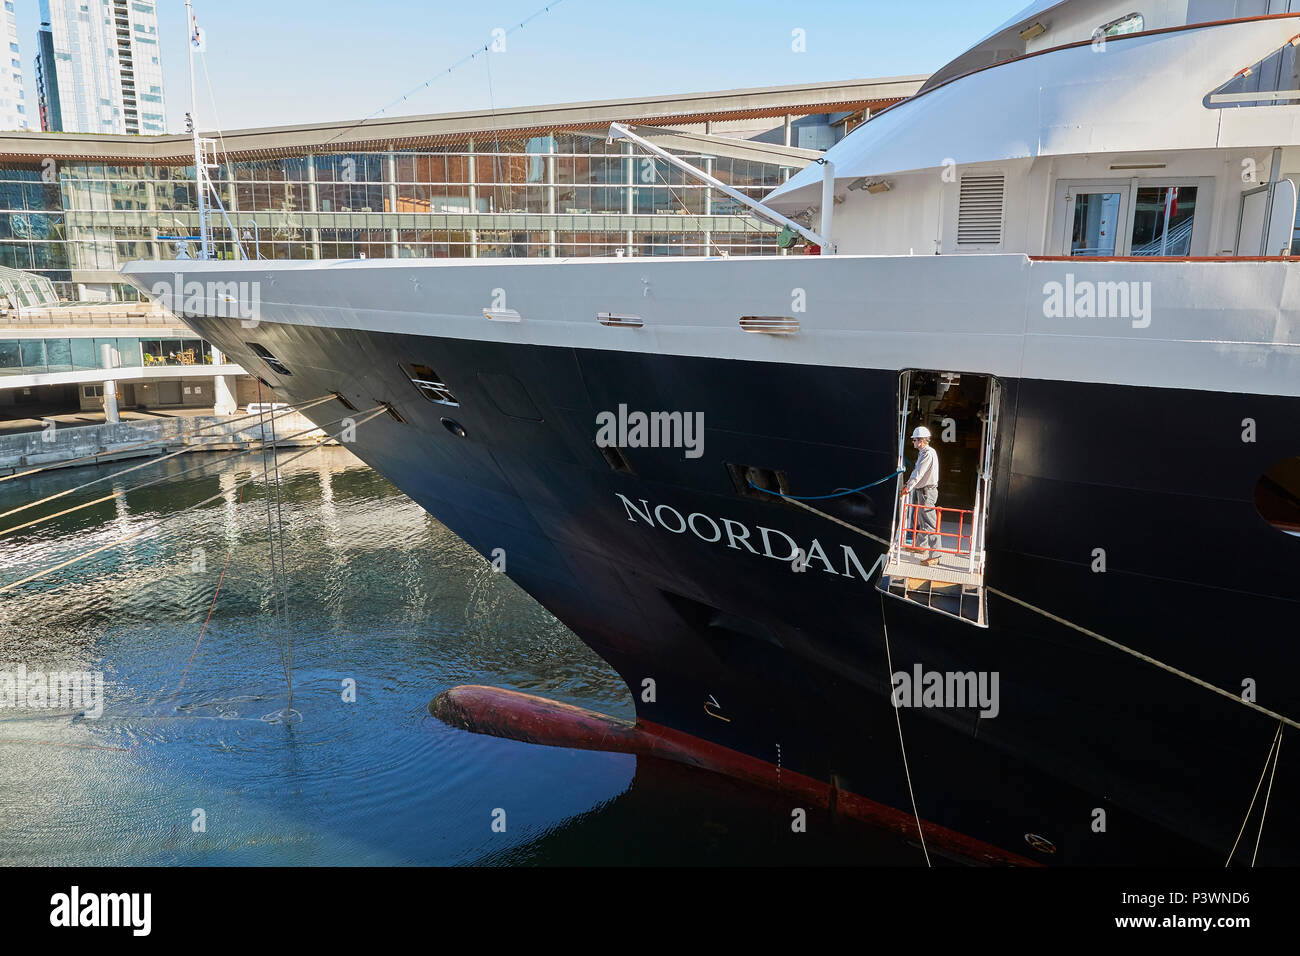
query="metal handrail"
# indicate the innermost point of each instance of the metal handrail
(938, 532)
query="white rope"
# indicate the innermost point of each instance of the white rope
(1263, 814)
(279, 593)
(147, 484)
(378, 410)
(303, 406)
(899, 721)
(1255, 797)
(1236, 698)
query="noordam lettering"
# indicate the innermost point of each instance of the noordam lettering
(759, 541)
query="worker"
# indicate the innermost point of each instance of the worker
(922, 490)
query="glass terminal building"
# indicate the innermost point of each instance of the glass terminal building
(538, 181)
(532, 181)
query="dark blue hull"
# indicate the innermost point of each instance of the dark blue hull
(796, 662)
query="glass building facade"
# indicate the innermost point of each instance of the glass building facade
(84, 353)
(562, 194)
(100, 67)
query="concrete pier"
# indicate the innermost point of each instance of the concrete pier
(112, 441)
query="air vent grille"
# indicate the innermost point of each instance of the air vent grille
(979, 212)
(617, 320)
(770, 324)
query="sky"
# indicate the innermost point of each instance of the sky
(280, 62)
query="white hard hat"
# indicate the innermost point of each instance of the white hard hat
(921, 432)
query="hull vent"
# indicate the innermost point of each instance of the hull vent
(616, 460)
(262, 352)
(770, 324)
(429, 384)
(614, 320)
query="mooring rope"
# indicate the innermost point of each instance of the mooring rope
(284, 586)
(147, 484)
(369, 414)
(126, 471)
(1273, 749)
(1263, 814)
(278, 596)
(202, 630)
(153, 441)
(898, 719)
(1147, 658)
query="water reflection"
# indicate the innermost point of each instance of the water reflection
(383, 598)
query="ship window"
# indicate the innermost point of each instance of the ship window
(429, 384)
(1133, 23)
(1273, 81)
(1162, 221)
(1277, 496)
(265, 355)
(1111, 218)
(1095, 227)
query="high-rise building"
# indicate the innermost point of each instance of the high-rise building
(13, 106)
(99, 67)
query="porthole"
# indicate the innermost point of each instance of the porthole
(454, 427)
(1277, 495)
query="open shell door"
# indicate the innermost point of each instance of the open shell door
(936, 555)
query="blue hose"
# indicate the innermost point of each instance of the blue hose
(838, 494)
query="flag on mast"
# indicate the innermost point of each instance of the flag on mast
(199, 37)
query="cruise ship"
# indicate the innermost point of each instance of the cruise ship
(1067, 257)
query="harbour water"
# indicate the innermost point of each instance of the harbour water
(193, 760)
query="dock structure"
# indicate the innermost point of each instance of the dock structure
(533, 181)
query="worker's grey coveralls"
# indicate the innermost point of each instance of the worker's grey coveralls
(923, 489)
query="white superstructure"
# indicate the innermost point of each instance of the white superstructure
(1073, 150)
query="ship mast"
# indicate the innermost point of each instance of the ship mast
(200, 157)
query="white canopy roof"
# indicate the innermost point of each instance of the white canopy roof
(1005, 42)
(1142, 93)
